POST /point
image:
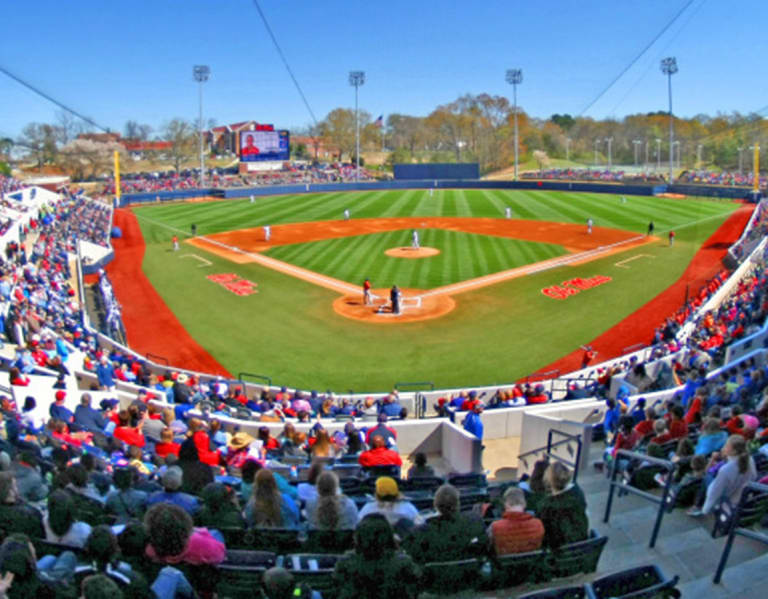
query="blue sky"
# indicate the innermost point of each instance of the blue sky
(116, 61)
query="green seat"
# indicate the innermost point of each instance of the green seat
(577, 558)
(451, 577)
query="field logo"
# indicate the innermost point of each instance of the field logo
(234, 283)
(574, 286)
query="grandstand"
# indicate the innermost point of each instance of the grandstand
(716, 336)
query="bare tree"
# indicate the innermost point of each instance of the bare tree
(68, 127)
(183, 137)
(135, 130)
(39, 139)
(83, 158)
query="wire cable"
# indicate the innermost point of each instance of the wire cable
(51, 99)
(638, 57)
(285, 61)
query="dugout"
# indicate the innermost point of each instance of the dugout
(437, 171)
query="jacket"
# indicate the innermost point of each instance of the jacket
(516, 532)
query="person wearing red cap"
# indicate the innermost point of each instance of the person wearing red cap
(58, 411)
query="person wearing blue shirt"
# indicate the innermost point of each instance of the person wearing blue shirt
(88, 418)
(638, 413)
(612, 415)
(105, 374)
(473, 423)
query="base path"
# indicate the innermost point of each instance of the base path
(639, 326)
(148, 320)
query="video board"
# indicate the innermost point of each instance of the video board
(264, 145)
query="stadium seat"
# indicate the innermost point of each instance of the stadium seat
(423, 483)
(577, 558)
(329, 541)
(683, 495)
(350, 485)
(346, 470)
(518, 568)
(377, 471)
(241, 573)
(753, 509)
(637, 583)
(279, 540)
(315, 570)
(462, 481)
(451, 577)
(578, 592)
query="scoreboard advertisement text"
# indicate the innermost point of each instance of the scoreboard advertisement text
(264, 145)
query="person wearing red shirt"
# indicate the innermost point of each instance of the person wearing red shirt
(677, 426)
(128, 434)
(645, 427)
(662, 434)
(203, 443)
(695, 408)
(627, 437)
(538, 396)
(166, 445)
(379, 455)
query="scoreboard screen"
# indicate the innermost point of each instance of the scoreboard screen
(264, 145)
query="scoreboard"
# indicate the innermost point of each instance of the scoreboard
(264, 145)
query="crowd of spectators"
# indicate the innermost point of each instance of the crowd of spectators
(727, 178)
(600, 175)
(9, 184)
(289, 174)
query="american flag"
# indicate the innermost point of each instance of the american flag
(379, 122)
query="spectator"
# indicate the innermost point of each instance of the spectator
(661, 433)
(329, 510)
(15, 515)
(732, 476)
(279, 584)
(391, 505)
(220, 508)
(473, 424)
(88, 418)
(391, 406)
(172, 480)
(712, 438)
(449, 535)
(202, 442)
(105, 374)
(268, 507)
(645, 427)
(174, 540)
(167, 445)
(420, 467)
(60, 523)
(376, 570)
(17, 557)
(381, 429)
(101, 554)
(308, 490)
(125, 502)
(564, 510)
(517, 531)
(677, 426)
(58, 411)
(379, 455)
(534, 487)
(322, 447)
(196, 473)
(99, 586)
(126, 432)
(30, 482)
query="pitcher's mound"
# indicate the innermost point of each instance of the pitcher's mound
(434, 306)
(409, 252)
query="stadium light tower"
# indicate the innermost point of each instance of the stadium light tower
(515, 78)
(658, 154)
(609, 141)
(356, 79)
(637, 143)
(669, 68)
(597, 144)
(201, 73)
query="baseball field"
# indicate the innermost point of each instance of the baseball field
(486, 299)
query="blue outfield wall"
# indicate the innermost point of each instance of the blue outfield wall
(437, 171)
(269, 190)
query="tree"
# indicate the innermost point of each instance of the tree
(134, 130)
(338, 129)
(68, 127)
(541, 158)
(40, 141)
(564, 121)
(84, 158)
(183, 138)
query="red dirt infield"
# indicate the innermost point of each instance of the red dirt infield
(411, 252)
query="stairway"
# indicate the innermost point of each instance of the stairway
(684, 547)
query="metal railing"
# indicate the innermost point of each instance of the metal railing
(259, 377)
(157, 358)
(734, 529)
(661, 501)
(547, 449)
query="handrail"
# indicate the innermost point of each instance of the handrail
(261, 377)
(542, 376)
(156, 357)
(661, 501)
(734, 529)
(568, 437)
(634, 347)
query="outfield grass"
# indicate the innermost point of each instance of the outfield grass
(496, 334)
(462, 256)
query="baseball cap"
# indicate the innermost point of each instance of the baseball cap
(60, 395)
(386, 486)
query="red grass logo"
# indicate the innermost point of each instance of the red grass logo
(234, 283)
(574, 286)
